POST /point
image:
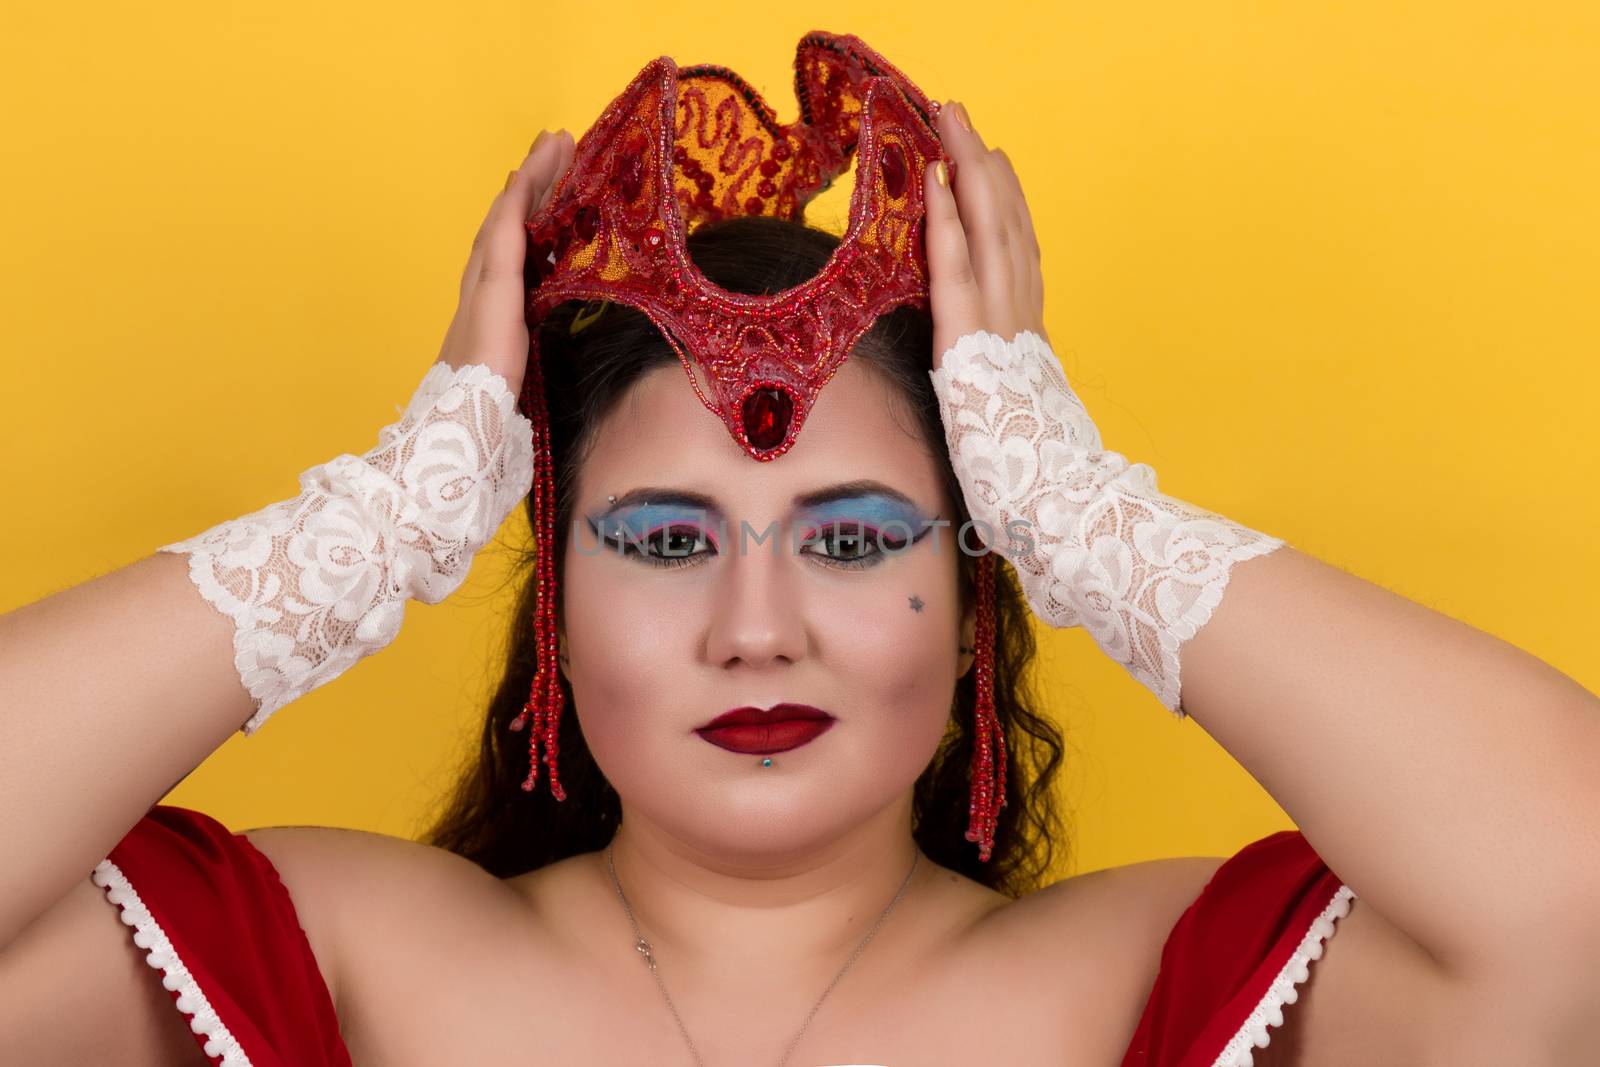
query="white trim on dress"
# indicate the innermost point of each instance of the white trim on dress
(1253, 1034)
(147, 934)
(221, 1042)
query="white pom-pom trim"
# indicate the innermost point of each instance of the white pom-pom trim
(147, 934)
(1238, 1052)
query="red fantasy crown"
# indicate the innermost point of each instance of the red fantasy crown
(684, 146)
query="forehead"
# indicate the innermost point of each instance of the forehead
(661, 434)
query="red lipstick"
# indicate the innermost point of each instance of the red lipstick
(752, 731)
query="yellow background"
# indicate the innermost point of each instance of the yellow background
(1330, 269)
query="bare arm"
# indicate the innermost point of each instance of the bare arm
(110, 693)
(1449, 777)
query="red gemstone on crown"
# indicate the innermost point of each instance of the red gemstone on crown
(766, 417)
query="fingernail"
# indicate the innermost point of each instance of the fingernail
(536, 140)
(964, 118)
(941, 174)
(511, 176)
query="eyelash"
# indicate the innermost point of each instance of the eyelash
(866, 534)
(625, 544)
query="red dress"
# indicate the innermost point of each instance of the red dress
(219, 925)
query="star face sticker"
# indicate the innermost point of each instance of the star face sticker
(916, 604)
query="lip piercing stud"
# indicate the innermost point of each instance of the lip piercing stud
(767, 762)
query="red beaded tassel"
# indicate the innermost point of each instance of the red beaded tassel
(545, 699)
(989, 745)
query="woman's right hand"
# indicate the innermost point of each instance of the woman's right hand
(316, 583)
(490, 325)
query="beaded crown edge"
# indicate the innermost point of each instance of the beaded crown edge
(684, 147)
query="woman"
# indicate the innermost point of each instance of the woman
(826, 908)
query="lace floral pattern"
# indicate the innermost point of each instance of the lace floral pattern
(315, 583)
(1092, 540)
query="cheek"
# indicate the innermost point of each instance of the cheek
(895, 658)
(625, 642)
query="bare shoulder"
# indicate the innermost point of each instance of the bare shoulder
(1151, 894)
(1373, 995)
(354, 889)
(1093, 943)
(1133, 906)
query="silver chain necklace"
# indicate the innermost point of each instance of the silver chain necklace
(643, 948)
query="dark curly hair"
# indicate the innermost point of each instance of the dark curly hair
(489, 819)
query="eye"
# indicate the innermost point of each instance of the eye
(668, 546)
(858, 545)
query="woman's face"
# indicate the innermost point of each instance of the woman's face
(804, 612)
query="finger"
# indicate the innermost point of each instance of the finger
(1017, 296)
(538, 153)
(497, 304)
(469, 275)
(1006, 187)
(473, 271)
(565, 150)
(952, 283)
(1030, 235)
(983, 218)
(1036, 259)
(1023, 246)
(540, 172)
(541, 147)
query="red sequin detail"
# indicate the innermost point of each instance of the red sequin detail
(989, 739)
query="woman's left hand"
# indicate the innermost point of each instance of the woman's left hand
(983, 256)
(490, 324)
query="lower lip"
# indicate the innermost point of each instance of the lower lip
(763, 739)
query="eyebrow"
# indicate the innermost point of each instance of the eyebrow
(815, 498)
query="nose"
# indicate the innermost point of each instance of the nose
(756, 619)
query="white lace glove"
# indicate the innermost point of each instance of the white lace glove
(1097, 546)
(315, 583)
